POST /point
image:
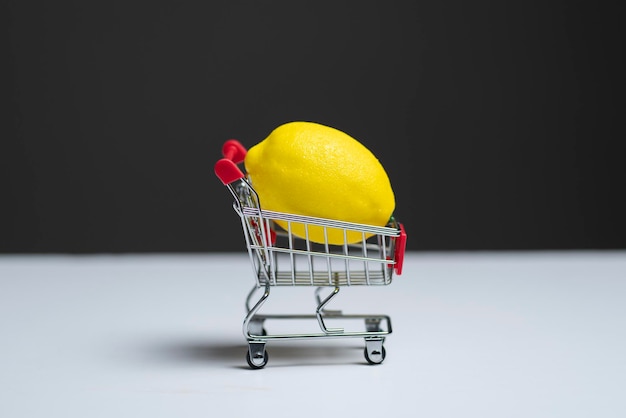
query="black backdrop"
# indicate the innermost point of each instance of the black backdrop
(499, 123)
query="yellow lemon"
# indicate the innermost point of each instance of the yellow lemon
(309, 169)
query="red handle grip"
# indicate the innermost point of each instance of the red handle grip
(234, 151)
(400, 249)
(226, 168)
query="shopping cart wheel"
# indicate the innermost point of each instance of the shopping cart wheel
(257, 355)
(375, 352)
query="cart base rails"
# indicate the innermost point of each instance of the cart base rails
(376, 328)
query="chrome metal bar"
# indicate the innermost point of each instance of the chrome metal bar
(252, 312)
(328, 260)
(249, 297)
(320, 308)
(291, 254)
(331, 223)
(346, 253)
(308, 250)
(321, 254)
(365, 263)
(367, 333)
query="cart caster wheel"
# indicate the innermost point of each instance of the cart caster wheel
(258, 361)
(375, 357)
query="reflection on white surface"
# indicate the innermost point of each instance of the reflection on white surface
(485, 334)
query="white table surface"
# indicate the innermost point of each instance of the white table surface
(474, 335)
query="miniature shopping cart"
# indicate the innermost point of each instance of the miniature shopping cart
(280, 258)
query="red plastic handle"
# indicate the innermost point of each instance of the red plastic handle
(234, 151)
(400, 249)
(226, 168)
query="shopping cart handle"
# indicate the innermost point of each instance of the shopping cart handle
(226, 168)
(400, 250)
(234, 151)
(227, 171)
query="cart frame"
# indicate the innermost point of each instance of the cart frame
(281, 258)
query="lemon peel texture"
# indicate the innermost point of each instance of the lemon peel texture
(305, 168)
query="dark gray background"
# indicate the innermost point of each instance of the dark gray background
(499, 123)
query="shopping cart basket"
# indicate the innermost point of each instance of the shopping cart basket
(280, 258)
